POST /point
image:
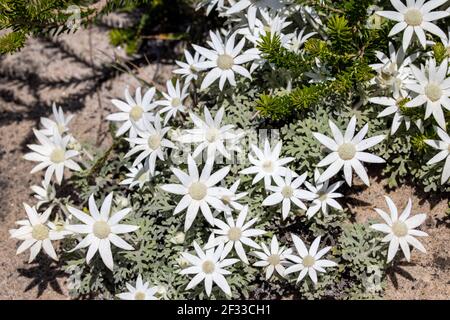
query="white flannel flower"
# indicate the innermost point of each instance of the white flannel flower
(138, 175)
(61, 122)
(400, 230)
(198, 191)
(287, 191)
(273, 258)
(392, 105)
(347, 151)
(210, 135)
(268, 165)
(253, 7)
(297, 40)
(210, 4)
(415, 17)
(308, 261)
(102, 229)
(224, 60)
(324, 196)
(393, 71)
(433, 88)
(230, 197)
(174, 99)
(187, 69)
(37, 233)
(208, 266)
(52, 154)
(150, 143)
(44, 194)
(142, 291)
(269, 22)
(235, 234)
(444, 146)
(133, 112)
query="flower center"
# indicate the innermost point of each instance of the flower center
(234, 234)
(225, 61)
(226, 199)
(139, 295)
(208, 266)
(212, 134)
(136, 113)
(176, 102)
(197, 190)
(143, 177)
(308, 261)
(347, 151)
(154, 141)
(433, 91)
(400, 229)
(57, 155)
(413, 17)
(274, 259)
(287, 191)
(101, 229)
(40, 232)
(322, 196)
(61, 128)
(267, 166)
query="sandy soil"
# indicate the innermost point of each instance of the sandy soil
(64, 72)
(82, 82)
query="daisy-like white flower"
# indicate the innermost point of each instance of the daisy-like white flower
(444, 146)
(173, 100)
(210, 4)
(198, 191)
(252, 7)
(269, 22)
(37, 233)
(44, 193)
(392, 105)
(273, 258)
(347, 151)
(142, 291)
(230, 197)
(235, 234)
(61, 122)
(433, 88)
(208, 266)
(209, 134)
(415, 17)
(102, 229)
(400, 230)
(133, 112)
(309, 261)
(287, 191)
(137, 176)
(52, 154)
(324, 195)
(297, 40)
(224, 59)
(393, 71)
(268, 165)
(187, 69)
(150, 143)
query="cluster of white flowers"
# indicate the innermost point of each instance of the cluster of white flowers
(57, 151)
(234, 52)
(408, 85)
